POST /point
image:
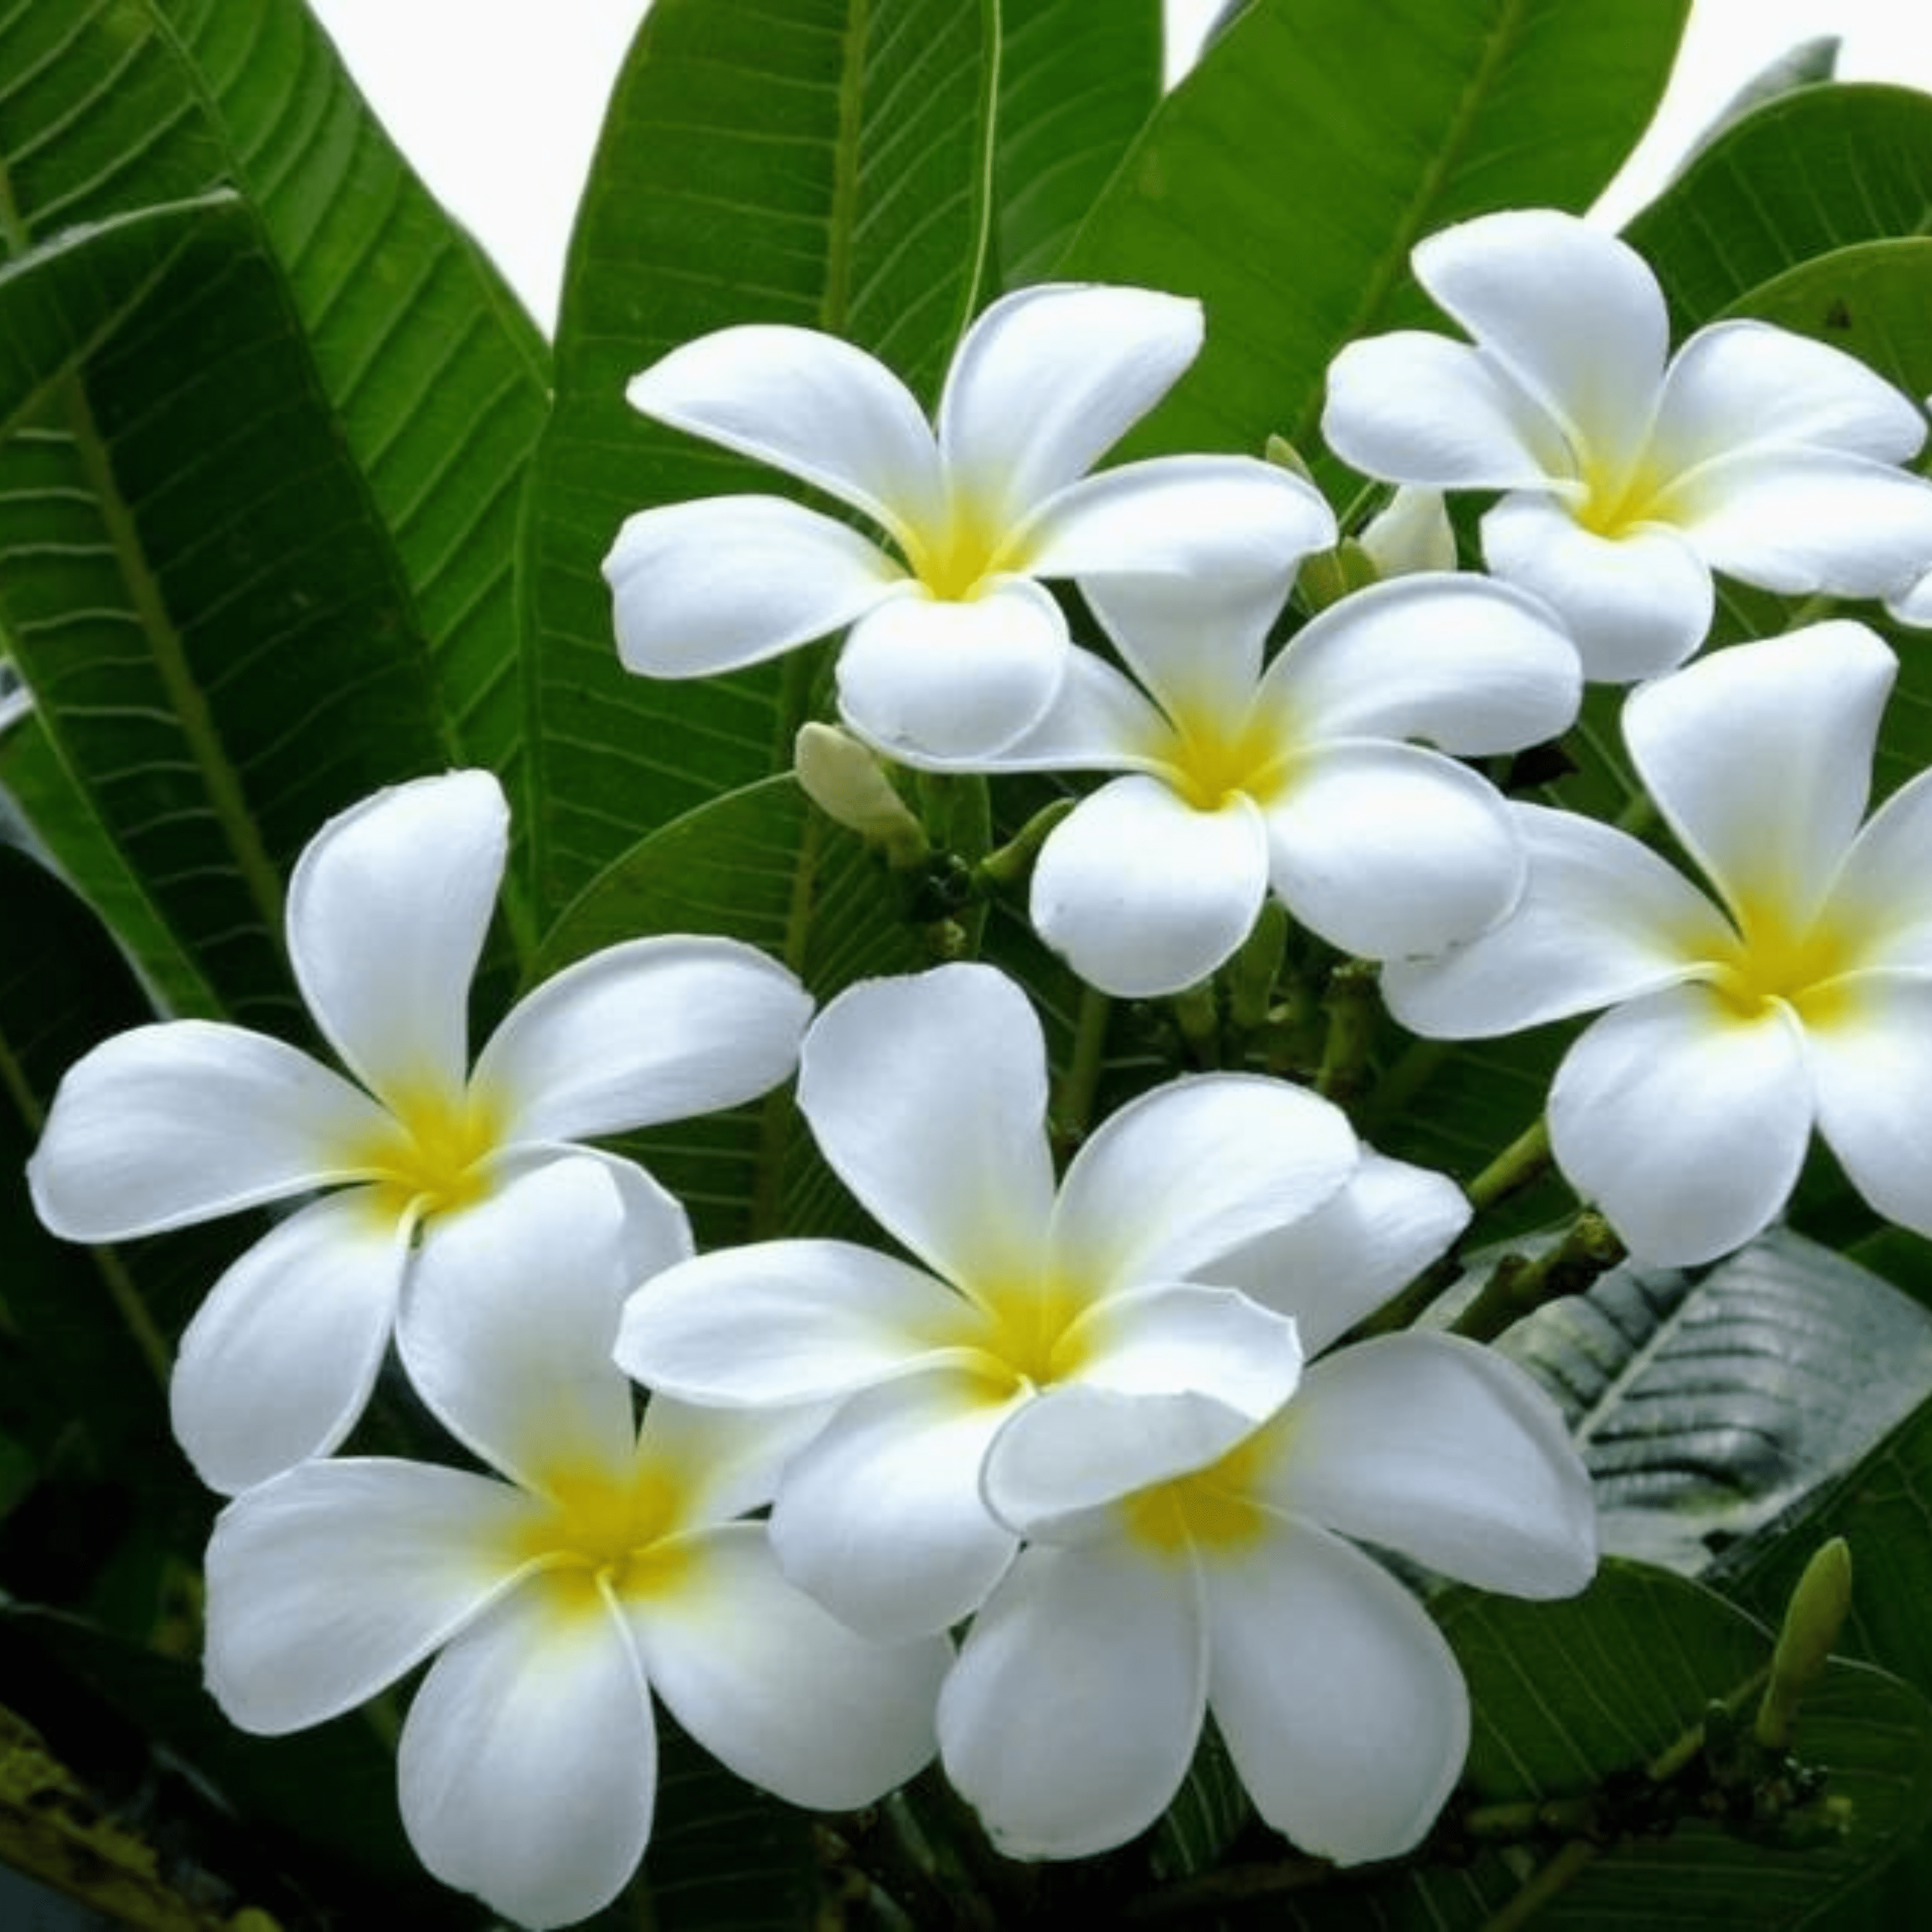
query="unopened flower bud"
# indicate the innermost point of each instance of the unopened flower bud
(1813, 1620)
(1413, 533)
(843, 778)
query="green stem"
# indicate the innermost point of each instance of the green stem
(1520, 1165)
(1073, 1105)
(1517, 1285)
(1557, 1876)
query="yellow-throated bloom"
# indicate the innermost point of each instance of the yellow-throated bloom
(609, 1568)
(1631, 474)
(927, 1096)
(187, 1120)
(954, 645)
(1798, 994)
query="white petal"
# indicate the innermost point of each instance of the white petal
(1341, 1262)
(785, 1321)
(166, 1125)
(1389, 849)
(327, 1583)
(1344, 1710)
(1601, 919)
(880, 1517)
(1418, 408)
(1743, 383)
(1472, 665)
(720, 1463)
(1176, 1378)
(928, 1095)
(1883, 891)
(1871, 1059)
(1411, 533)
(1196, 642)
(278, 1362)
(1187, 1171)
(1685, 1123)
(1760, 758)
(1912, 605)
(1635, 604)
(1144, 893)
(1805, 519)
(656, 1232)
(707, 586)
(1446, 1452)
(387, 909)
(508, 1321)
(809, 403)
(779, 1693)
(1201, 517)
(527, 1766)
(1572, 313)
(1049, 378)
(651, 1031)
(1070, 1719)
(955, 679)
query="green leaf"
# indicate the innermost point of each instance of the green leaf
(1813, 171)
(1706, 1405)
(1285, 180)
(194, 584)
(821, 162)
(1077, 81)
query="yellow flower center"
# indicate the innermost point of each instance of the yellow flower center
(1209, 762)
(1618, 501)
(955, 561)
(1213, 1508)
(434, 1154)
(608, 1535)
(1775, 961)
(1028, 1344)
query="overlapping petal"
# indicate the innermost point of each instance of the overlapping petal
(927, 1097)
(1601, 919)
(1070, 1719)
(880, 1517)
(712, 586)
(1881, 887)
(953, 678)
(1761, 759)
(1871, 1060)
(179, 1122)
(652, 1029)
(1685, 1122)
(1343, 1709)
(809, 404)
(1637, 604)
(278, 1361)
(1050, 377)
(1446, 1452)
(527, 1767)
(1143, 892)
(1388, 850)
(328, 1582)
(753, 1668)
(388, 908)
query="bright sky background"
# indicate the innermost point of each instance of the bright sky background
(497, 102)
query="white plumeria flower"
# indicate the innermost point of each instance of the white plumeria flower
(955, 646)
(607, 1568)
(1798, 994)
(1072, 1714)
(928, 1097)
(186, 1120)
(1298, 779)
(1629, 478)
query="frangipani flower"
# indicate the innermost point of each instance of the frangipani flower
(955, 646)
(928, 1097)
(1073, 1712)
(187, 1120)
(1629, 479)
(1297, 779)
(606, 1569)
(1798, 994)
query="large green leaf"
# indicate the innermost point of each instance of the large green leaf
(823, 163)
(196, 586)
(1076, 83)
(1705, 1404)
(1284, 181)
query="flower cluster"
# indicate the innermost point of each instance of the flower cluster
(1079, 1452)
